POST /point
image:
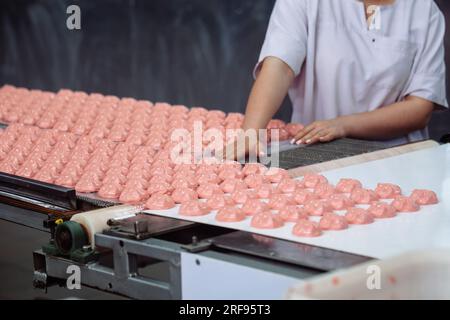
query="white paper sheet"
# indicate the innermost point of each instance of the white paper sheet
(428, 228)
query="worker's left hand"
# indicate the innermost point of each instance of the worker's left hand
(321, 131)
(252, 149)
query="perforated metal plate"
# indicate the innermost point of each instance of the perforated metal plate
(318, 153)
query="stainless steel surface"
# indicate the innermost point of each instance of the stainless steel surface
(17, 269)
(125, 252)
(143, 226)
(40, 280)
(105, 279)
(94, 199)
(32, 201)
(312, 154)
(285, 251)
(27, 188)
(123, 277)
(23, 217)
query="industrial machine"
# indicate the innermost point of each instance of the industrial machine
(133, 241)
(116, 248)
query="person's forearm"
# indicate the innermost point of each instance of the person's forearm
(268, 93)
(391, 121)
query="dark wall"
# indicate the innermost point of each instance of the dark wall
(193, 52)
(440, 123)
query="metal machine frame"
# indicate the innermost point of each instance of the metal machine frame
(121, 276)
(117, 270)
(121, 255)
(121, 259)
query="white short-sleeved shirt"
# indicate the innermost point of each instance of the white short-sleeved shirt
(343, 67)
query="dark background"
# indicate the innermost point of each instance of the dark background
(192, 52)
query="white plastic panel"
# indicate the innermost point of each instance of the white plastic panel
(430, 227)
(211, 279)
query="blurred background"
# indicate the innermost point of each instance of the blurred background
(192, 52)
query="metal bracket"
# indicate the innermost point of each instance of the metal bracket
(196, 246)
(144, 226)
(22, 188)
(40, 280)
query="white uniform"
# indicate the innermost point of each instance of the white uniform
(342, 66)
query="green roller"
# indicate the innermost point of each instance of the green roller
(69, 237)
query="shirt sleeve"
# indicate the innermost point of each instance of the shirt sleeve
(428, 77)
(286, 35)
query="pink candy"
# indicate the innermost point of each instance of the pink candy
(306, 228)
(266, 220)
(387, 190)
(358, 216)
(121, 149)
(381, 210)
(179, 182)
(280, 201)
(110, 191)
(230, 174)
(254, 181)
(254, 169)
(160, 187)
(231, 185)
(405, 204)
(312, 180)
(292, 214)
(318, 207)
(159, 202)
(424, 197)
(324, 190)
(333, 222)
(265, 191)
(218, 201)
(347, 185)
(182, 195)
(340, 202)
(207, 190)
(85, 185)
(132, 196)
(242, 196)
(194, 208)
(254, 206)
(363, 196)
(276, 175)
(303, 196)
(287, 185)
(230, 214)
(208, 178)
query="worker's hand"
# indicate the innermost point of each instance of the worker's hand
(234, 151)
(321, 131)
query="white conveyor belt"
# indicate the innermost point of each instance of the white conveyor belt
(429, 228)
